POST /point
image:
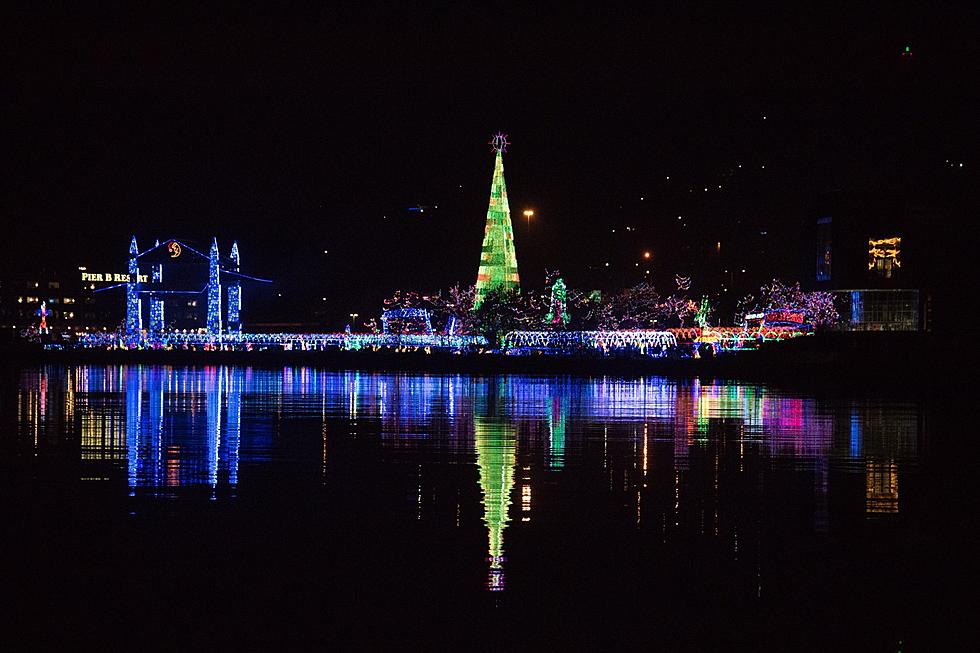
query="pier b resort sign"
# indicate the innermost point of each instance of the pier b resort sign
(112, 277)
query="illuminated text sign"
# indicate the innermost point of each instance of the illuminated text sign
(112, 277)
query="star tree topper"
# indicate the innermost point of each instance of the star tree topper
(499, 142)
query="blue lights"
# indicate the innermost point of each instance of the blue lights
(156, 314)
(406, 314)
(235, 294)
(857, 307)
(134, 318)
(214, 291)
(157, 335)
(156, 302)
(196, 340)
(234, 308)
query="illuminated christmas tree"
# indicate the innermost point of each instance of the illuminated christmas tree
(558, 315)
(498, 261)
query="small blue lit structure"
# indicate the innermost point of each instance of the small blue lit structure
(406, 314)
(235, 294)
(214, 290)
(134, 314)
(156, 300)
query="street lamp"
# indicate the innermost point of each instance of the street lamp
(527, 214)
(353, 320)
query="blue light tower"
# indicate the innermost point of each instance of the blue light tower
(134, 317)
(214, 291)
(156, 301)
(235, 294)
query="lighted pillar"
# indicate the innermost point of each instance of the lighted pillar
(134, 319)
(156, 301)
(498, 260)
(235, 295)
(214, 292)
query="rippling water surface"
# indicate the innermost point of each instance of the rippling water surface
(235, 502)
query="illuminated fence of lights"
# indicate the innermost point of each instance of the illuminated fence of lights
(280, 341)
(642, 340)
(736, 337)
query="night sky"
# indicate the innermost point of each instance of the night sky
(296, 132)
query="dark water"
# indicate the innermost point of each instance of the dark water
(205, 507)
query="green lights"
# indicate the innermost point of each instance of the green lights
(558, 315)
(498, 260)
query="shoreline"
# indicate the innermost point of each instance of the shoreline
(875, 361)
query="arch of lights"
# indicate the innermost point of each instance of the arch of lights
(406, 314)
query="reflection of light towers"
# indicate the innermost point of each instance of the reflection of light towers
(495, 446)
(498, 260)
(150, 465)
(557, 410)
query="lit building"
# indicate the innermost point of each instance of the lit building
(871, 253)
(881, 487)
(70, 304)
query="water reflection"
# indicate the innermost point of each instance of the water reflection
(496, 443)
(677, 458)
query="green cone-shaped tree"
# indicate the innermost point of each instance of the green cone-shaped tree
(498, 260)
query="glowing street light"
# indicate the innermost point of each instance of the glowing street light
(527, 214)
(646, 254)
